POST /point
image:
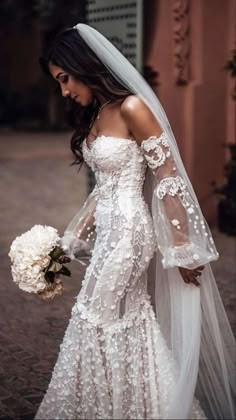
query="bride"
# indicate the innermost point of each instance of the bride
(148, 337)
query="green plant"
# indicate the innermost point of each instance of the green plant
(227, 204)
(231, 67)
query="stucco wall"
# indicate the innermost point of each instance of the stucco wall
(199, 109)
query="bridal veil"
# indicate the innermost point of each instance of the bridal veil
(192, 320)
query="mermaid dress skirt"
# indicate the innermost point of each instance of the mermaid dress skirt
(114, 362)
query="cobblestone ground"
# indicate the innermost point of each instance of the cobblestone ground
(39, 187)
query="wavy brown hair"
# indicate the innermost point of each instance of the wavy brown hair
(70, 52)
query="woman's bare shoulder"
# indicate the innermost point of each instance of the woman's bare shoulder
(132, 103)
(139, 118)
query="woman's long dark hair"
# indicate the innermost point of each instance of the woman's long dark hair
(70, 52)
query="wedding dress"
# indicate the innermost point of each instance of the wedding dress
(124, 355)
(114, 362)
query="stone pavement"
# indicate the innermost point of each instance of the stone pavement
(38, 187)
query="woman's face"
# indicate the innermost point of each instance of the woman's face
(70, 86)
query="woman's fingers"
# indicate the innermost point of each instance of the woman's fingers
(197, 273)
(63, 259)
(183, 273)
(194, 280)
(190, 276)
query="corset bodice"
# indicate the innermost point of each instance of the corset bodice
(118, 164)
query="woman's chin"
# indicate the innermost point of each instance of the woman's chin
(82, 103)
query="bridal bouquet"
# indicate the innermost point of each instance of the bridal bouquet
(36, 258)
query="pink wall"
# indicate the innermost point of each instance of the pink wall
(189, 43)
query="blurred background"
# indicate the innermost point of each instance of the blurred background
(186, 51)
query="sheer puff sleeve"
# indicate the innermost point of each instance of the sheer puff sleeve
(79, 237)
(183, 237)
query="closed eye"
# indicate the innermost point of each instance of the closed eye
(64, 79)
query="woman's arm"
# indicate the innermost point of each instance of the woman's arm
(80, 234)
(170, 201)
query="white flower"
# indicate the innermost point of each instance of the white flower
(190, 210)
(52, 290)
(29, 254)
(175, 222)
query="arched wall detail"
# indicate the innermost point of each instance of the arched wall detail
(188, 46)
(181, 40)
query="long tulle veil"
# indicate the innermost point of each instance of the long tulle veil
(193, 320)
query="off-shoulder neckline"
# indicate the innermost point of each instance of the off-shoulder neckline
(106, 136)
(119, 138)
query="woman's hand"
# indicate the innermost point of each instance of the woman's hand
(190, 276)
(64, 259)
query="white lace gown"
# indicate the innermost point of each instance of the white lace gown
(113, 361)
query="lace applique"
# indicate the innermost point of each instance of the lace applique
(159, 148)
(114, 361)
(170, 185)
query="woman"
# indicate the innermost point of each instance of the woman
(120, 359)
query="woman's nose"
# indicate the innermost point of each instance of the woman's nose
(65, 93)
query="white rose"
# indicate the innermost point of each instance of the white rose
(29, 254)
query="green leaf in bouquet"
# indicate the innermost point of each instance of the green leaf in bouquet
(56, 253)
(55, 267)
(49, 276)
(64, 271)
(58, 266)
(48, 267)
